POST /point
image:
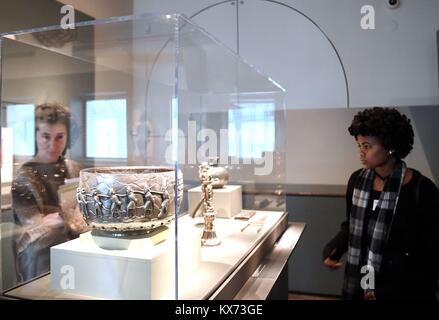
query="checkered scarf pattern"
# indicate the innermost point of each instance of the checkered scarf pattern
(378, 226)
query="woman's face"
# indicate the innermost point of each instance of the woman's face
(51, 141)
(372, 153)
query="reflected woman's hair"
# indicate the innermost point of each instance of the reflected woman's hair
(53, 113)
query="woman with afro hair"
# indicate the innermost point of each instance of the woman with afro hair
(391, 234)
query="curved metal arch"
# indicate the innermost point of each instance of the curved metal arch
(281, 4)
(306, 17)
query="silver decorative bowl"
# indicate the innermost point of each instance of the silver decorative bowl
(127, 202)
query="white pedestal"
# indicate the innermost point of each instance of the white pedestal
(143, 271)
(227, 201)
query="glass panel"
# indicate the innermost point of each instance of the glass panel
(21, 120)
(125, 111)
(106, 120)
(103, 95)
(230, 111)
(252, 129)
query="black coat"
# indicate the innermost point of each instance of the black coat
(410, 264)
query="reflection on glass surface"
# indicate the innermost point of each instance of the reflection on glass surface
(141, 90)
(106, 127)
(41, 219)
(256, 125)
(20, 117)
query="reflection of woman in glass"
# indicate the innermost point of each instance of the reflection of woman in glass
(40, 221)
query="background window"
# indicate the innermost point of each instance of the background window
(251, 130)
(106, 128)
(21, 118)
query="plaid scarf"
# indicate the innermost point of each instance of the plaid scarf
(378, 227)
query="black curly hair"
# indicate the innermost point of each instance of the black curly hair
(391, 127)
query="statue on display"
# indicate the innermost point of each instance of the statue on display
(209, 237)
(97, 204)
(131, 207)
(165, 204)
(81, 197)
(115, 203)
(148, 202)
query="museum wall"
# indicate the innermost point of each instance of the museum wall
(290, 40)
(313, 75)
(323, 152)
(318, 51)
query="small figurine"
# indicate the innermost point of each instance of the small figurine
(98, 205)
(81, 197)
(165, 202)
(206, 186)
(209, 237)
(148, 202)
(132, 202)
(115, 203)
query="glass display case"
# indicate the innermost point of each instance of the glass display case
(141, 159)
